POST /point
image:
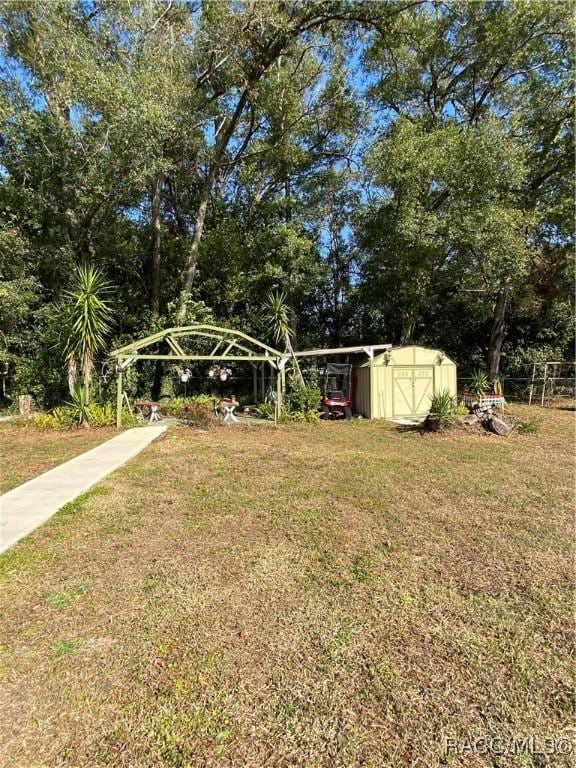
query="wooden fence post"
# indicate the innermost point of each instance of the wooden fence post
(532, 384)
(119, 397)
(544, 384)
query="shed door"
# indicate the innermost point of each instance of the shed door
(412, 390)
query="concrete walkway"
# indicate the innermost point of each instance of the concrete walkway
(25, 508)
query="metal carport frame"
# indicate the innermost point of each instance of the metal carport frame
(229, 346)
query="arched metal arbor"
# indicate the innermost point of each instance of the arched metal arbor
(200, 342)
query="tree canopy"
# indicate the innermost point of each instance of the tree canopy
(397, 171)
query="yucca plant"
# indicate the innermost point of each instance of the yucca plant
(90, 318)
(79, 407)
(442, 410)
(277, 316)
(479, 383)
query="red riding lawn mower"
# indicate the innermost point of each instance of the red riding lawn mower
(336, 391)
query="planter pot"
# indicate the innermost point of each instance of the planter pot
(486, 398)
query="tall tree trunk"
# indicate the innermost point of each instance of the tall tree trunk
(407, 331)
(225, 134)
(155, 247)
(497, 333)
(221, 146)
(196, 238)
(72, 373)
(155, 284)
(289, 288)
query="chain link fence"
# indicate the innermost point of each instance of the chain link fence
(546, 384)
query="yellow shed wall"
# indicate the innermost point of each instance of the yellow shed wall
(380, 390)
(362, 392)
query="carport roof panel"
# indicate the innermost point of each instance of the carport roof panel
(367, 349)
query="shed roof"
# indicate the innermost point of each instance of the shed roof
(397, 348)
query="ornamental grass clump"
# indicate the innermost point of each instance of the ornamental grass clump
(442, 411)
(479, 383)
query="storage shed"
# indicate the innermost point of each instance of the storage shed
(399, 382)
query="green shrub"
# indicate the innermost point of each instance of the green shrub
(301, 404)
(197, 410)
(308, 417)
(200, 415)
(203, 399)
(127, 419)
(60, 418)
(178, 407)
(267, 410)
(461, 410)
(166, 387)
(442, 411)
(105, 416)
(528, 425)
(101, 415)
(177, 404)
(65, 416)
(44, 421)
(302, 398)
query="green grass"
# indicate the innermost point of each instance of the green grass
(339, 595)
(62, 648)
(30, 549)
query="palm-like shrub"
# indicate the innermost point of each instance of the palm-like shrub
(442, 410)
(79, 407)
(479, 383)
(277, 316)
(90, 318)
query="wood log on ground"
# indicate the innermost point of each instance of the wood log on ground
(498, 426)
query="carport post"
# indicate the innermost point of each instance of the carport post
(280, 382)
(278, 393)
(119, 396)
(372, 413)
(263, 380)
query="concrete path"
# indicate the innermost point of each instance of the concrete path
(25, 508)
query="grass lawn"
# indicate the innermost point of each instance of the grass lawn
(26, 452)
(339, 595)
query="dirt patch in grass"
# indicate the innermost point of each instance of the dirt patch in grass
(338, 595)
(26, 452)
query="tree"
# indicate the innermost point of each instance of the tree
(277, 316)
(401, 170)
(89, 317)
(454, 81)
(245, 42)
